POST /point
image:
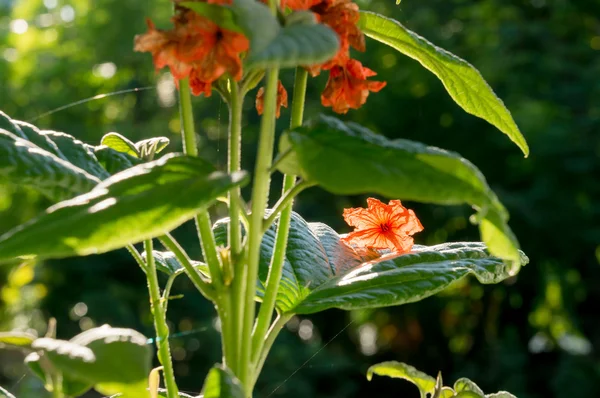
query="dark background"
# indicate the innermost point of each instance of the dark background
(536, 335)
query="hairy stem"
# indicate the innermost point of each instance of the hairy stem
(160, 323)
(190, 147)
(284, 205)
(272, 334)
(260, 193)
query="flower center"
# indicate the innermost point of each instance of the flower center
(384, 227)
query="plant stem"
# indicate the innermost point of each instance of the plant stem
(201, 284)
(284, 205)
(190, 147)
(272, 334)
(57, 386)
(160, 323)
(260, 193)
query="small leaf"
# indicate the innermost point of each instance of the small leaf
(9, 125)
(321, 272)
(26, 165)
(500, 394)
(71, 387)
(464, 384)
(5, 394)
(148, 148)
(256, 22)
(33, 135)
(348, 159)
(221, 383)
(463, 82)
(221, 15)
(17, 339)
(163, 394)
(140, 203)
(114, 161)
(114, 360)
(425, 383)
(167, 262)
(77, 153)
(120, 144)
(300, 43)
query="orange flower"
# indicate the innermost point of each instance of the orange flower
(282, 99)
(196, 48)
(348, 86)
(299, 4)
(382, 226)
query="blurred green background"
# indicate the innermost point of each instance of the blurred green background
(537, 335)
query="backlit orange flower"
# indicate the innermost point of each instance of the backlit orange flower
(282, 99)
(348, 86)
(382, 226)
(196, 48)
(299, 4)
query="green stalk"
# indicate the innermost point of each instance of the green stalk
(287, 198)
(289, 191)
(236, 313)
(190, 147)
(160, 323)
(272, 334)
(260, 193)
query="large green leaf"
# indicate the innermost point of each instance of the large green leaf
(221, 383)
(33, 134)
(349, 159)
(321, 272)
(302, 43)
(221, 15)
(71, 386)
(24, 164)
(465, 385)
(257, 23)
(9, 125)
(77, 153)
(463, 82)
(140, 203)
(424, 382)
(114, 360)
(114, 161)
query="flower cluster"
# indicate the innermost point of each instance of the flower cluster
(382, 226)
(196, 48)
(348, 87)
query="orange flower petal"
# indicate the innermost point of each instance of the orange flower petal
(282, 99)
(382, 226)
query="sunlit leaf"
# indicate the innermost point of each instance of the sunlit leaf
(120, 143)
(71, 386)
(424, 382)
(167, 262)
(148, 148)
(348, 159)
(321, 272)
(33, 134)
(9, 125)
(463, 82)
(26, 165)
(17, 339)
(114, 161)
(140, 203)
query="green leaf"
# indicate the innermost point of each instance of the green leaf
(320, 271)
(114, 161)
(5, 394)
(77, 153)
(163, 392)
(114, 360)
(463, 82)
(300, 43)
(148, 148)
(500, 394)
(424, 382)
(256, 22)
(140, 203)
(71, 387)
(33, 134)
(221, 383)
(26, 165)
(167, 262)
(17, 339)
(348, 159)
(465, 385)
(9, 125)
(120, 144)
(223, 16)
